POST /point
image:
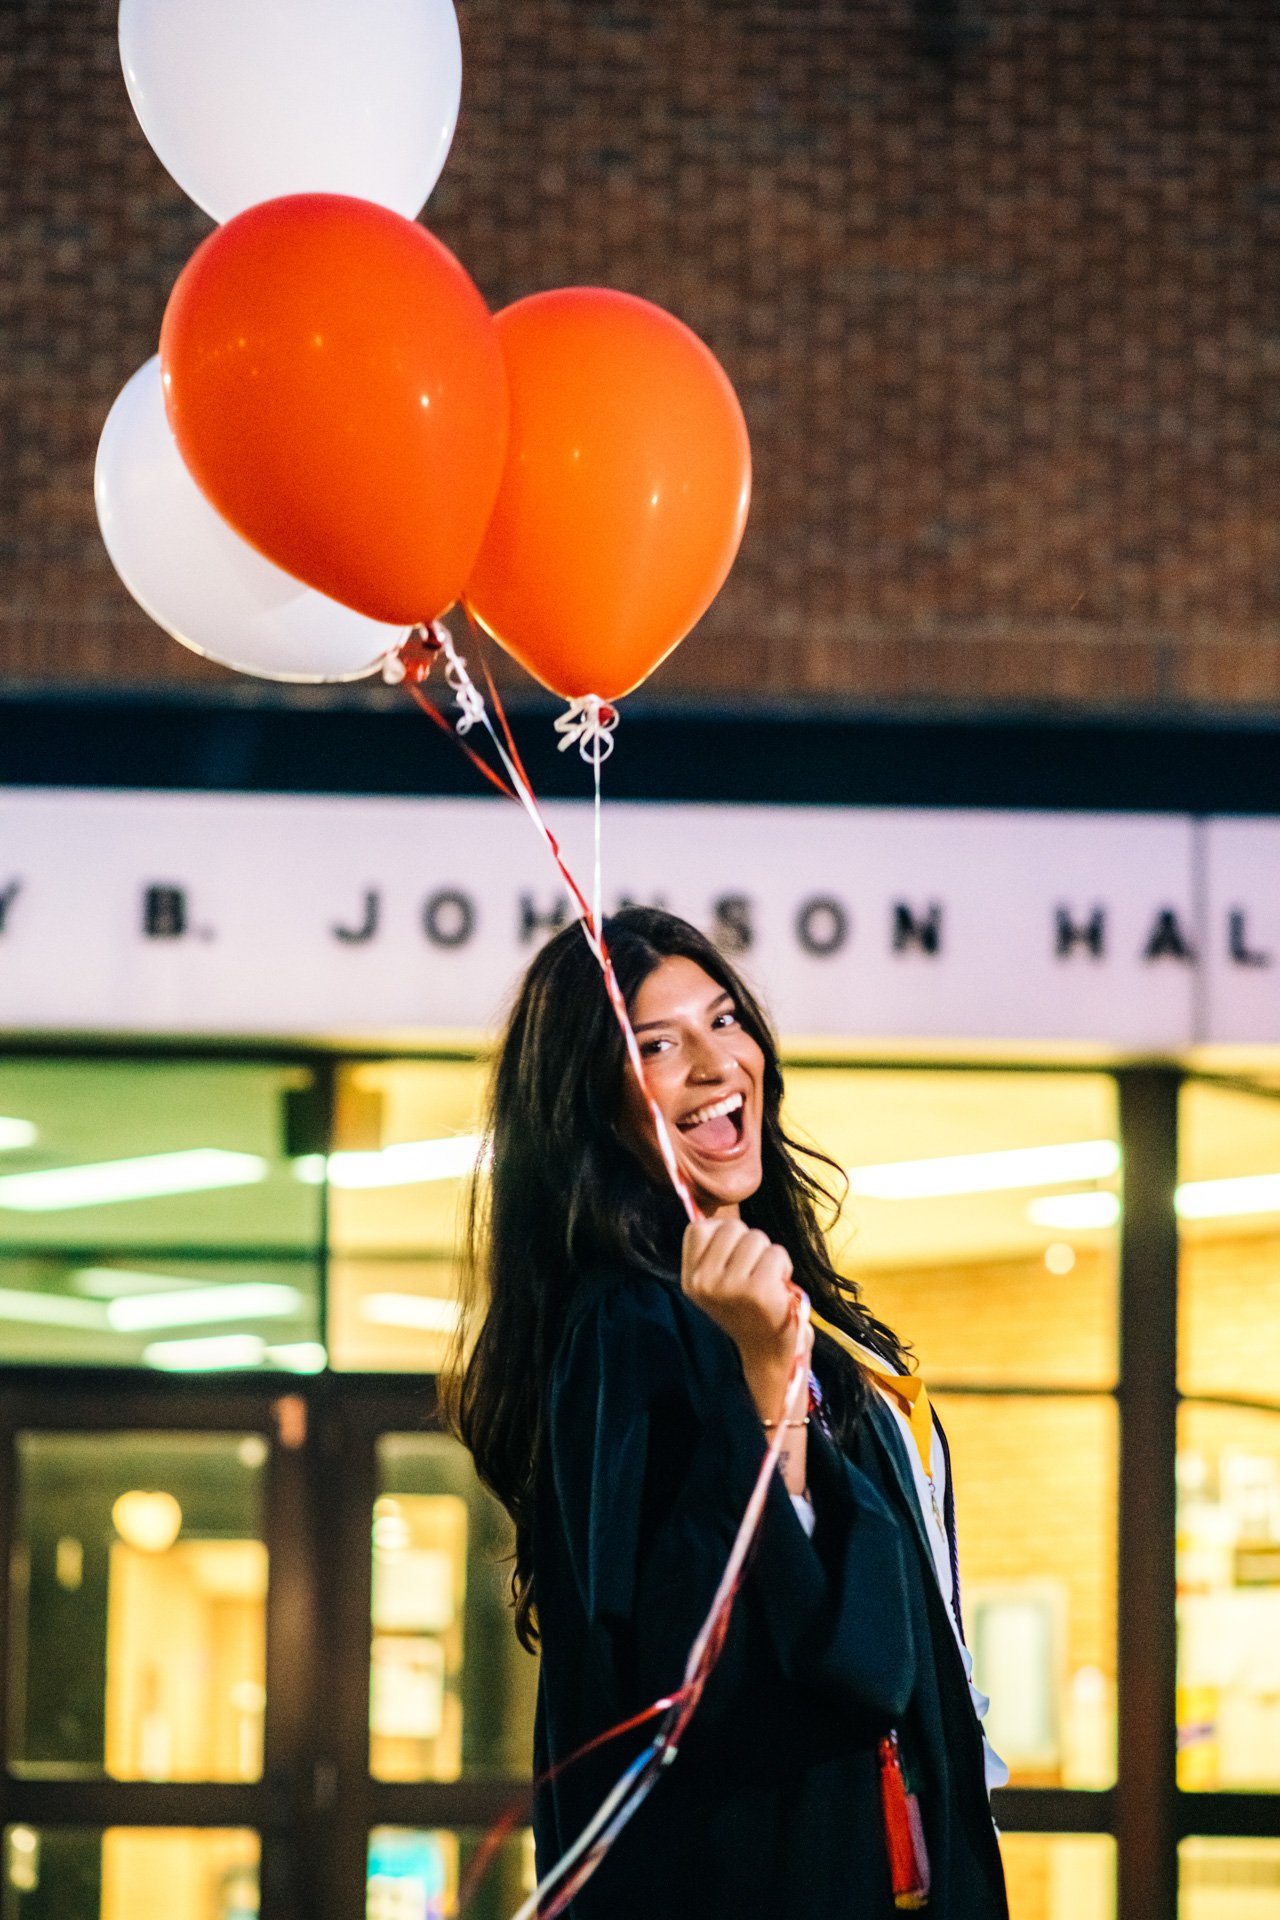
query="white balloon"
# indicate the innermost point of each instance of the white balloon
(245, 100)
(196, 577)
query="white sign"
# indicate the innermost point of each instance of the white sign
(298, 916)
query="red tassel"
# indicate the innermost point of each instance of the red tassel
(903, 1832)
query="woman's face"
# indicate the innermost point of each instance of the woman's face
(705, 1073)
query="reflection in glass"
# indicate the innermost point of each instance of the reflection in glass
(130, 1873)
(1229, 1259)
(406, 1134)
(139, 1583)
(1229, 1880)
(952, 1226)
(1228, 1598)
(154, 1216)
(415, 1873)
(450, 1690)
(1035, 1501)
(950, 1248)
(1060, 1876)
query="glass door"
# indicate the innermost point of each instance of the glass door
(155, 1711)
(431, 1707)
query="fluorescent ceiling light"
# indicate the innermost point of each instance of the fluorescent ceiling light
(408, 1164)
(1219, 1199)
(219, 1351)
(986, 1172)
(202, 1306)
(1075, 1210)
(299, 1356)
(17, 1133)
(424, 1312)
(50, 1310)
(152, 1175)
(113, 1283)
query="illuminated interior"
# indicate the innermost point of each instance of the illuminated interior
(131, 1873)
(139, 1658)
(982, 1221)
(451, 1691)
(414, 1873)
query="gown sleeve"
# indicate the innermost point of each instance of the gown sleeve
(654, 1446)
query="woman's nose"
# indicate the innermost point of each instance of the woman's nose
(709, 1060)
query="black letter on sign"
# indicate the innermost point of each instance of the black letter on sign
(1241, 953)
(532, 923)
(1168, 941)
(354, 936)
(7, 899)
(732, 930)
(449, 918)
(625, 901)
(164, 913)
(822, 926)
(908, 931)
(1090, 934)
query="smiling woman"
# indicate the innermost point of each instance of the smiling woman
(621, 1376)
(704, 1069)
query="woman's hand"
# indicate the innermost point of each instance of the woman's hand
(743, 1281)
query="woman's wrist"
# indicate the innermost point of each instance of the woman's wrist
(768, 1389)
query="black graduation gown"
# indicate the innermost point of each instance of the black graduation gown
(773, 1806)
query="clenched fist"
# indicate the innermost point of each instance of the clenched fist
(742, 1279)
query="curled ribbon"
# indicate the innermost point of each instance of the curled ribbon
(466, 695)
(588, 724)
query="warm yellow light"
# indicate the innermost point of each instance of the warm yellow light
(1001, 1172)
(151, 1522)
(424, 1312)
(1227, 1199)
(1069, 1211)
(408, 1163)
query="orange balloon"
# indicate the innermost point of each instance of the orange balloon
(624, 495)
(335, 385)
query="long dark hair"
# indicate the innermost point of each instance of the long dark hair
(565, 1194)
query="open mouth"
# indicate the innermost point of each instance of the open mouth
(716, 1127)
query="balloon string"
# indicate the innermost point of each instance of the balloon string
(597, 869)
(433, 713)
(485, 1853)
(474, 711)
(575, 1867)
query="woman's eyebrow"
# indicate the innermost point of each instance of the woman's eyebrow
(643, 1026)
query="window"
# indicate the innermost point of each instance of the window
(451, 1691)
(1229, 1441)
(982, 1225)
(138, 1607)
(407, 1140)
(129, 1873)
(151, 1215)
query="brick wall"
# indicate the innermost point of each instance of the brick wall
(997, 283)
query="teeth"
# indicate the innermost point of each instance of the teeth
(730, 1104)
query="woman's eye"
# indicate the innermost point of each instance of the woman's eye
(648, 1047)
(728, 1018)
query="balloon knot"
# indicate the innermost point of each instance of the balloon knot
(466, 695)
(413, 659)
(588, 724)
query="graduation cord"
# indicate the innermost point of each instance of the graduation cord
(593, 733)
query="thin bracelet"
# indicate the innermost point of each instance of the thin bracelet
(769, 1425)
